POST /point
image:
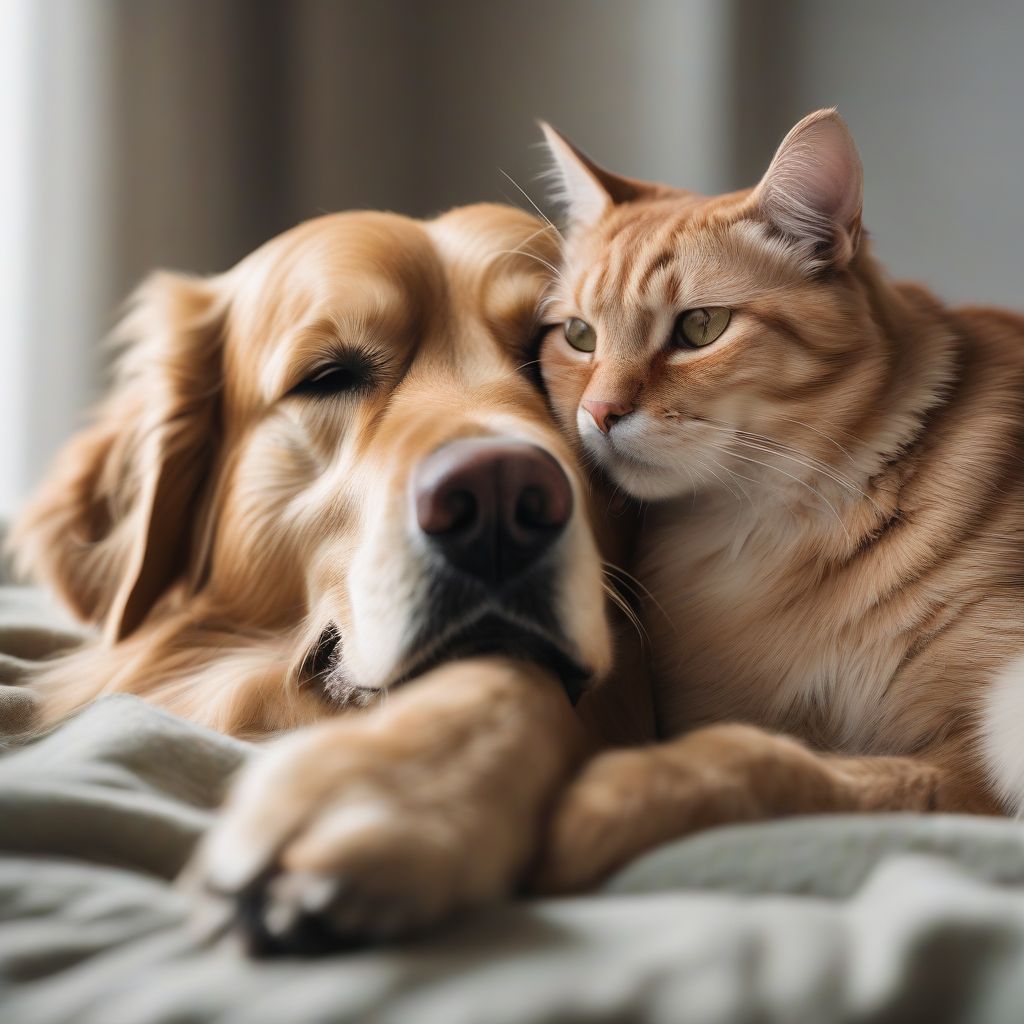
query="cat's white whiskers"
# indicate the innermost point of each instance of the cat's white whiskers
(769, 446)
(518, 251)
(737, 477)
(765, 439)
(803, 483)
(812, 464)
(540, 213)
(551, 268)
(524, 366)
(822, 434)
(705, 468)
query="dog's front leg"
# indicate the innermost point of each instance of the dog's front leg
(380, 823)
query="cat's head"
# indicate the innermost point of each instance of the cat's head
(696, 339)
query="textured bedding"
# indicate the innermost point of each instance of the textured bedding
(886, 918)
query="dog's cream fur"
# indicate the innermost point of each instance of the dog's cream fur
(212, 519)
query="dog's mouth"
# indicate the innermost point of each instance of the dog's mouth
(491, 632)
(494, 633)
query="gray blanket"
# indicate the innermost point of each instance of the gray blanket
(887, 918)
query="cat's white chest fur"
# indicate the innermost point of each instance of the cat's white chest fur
(740, 631)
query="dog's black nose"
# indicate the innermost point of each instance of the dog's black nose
(491, 505)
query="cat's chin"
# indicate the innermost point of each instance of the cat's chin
(646, 480)
(643, 480)
(649, 463)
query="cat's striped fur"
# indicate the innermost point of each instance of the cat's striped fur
(835, 538)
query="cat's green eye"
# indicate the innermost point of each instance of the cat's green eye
(698, 328)
(580, 335)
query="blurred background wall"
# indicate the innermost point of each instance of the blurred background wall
(182, 133)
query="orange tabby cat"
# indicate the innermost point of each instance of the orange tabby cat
(834, 545)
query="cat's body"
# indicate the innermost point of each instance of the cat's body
(864, 622)
(834, 544)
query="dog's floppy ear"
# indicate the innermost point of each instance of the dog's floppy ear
(110, 525)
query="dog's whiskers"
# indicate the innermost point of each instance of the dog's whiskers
(636, 587)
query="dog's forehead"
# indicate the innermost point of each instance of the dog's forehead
(330, 260)
(498, 261)
(460, 290)
(479, 240)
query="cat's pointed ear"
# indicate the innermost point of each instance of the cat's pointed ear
(586, 190)
(813, 190)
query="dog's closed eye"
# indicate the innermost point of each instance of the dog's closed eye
(349, 372)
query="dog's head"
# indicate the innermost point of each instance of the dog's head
(335, 441)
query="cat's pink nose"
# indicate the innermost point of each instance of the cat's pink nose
(606, 414)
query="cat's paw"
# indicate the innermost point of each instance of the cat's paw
(602, 821)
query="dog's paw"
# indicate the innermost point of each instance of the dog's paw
(376, 826)
(330, 841)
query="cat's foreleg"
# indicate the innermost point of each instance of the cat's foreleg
(625, 802)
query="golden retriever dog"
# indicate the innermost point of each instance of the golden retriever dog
(319, 475)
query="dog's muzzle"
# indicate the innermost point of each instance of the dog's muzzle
(490, 511)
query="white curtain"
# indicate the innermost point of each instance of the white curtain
(54, 248)
(182, 133)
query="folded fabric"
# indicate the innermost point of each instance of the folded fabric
(867, 918)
